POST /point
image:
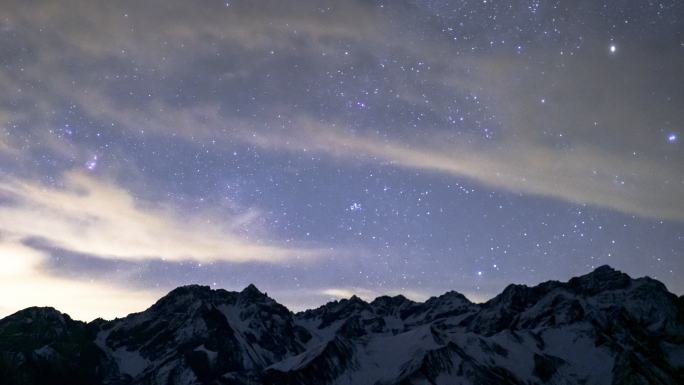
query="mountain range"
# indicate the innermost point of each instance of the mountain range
(600, 328)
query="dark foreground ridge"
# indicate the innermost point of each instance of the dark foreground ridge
(600, 328)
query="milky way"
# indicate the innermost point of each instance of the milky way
(323, 148)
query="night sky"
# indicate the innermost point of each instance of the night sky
(320, 149)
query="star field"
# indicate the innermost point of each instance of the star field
(323, 149)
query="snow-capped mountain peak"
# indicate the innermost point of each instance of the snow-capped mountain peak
(600, 328)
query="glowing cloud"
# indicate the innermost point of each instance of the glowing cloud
(20, 275)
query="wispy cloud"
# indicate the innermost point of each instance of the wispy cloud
(584, 174)
(99, 218)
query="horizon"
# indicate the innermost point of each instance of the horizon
(332, 299)
(326, 148)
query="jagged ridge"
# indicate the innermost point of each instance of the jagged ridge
(600, 328)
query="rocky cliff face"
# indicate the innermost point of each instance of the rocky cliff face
(600, 328)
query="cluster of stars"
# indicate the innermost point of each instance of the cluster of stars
(91, 164)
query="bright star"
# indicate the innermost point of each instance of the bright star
(355, 206)
(613, 48)
(672, 138)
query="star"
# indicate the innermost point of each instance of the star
(672, 138)
(613, 48)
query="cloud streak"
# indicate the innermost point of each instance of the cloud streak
(585, 175)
